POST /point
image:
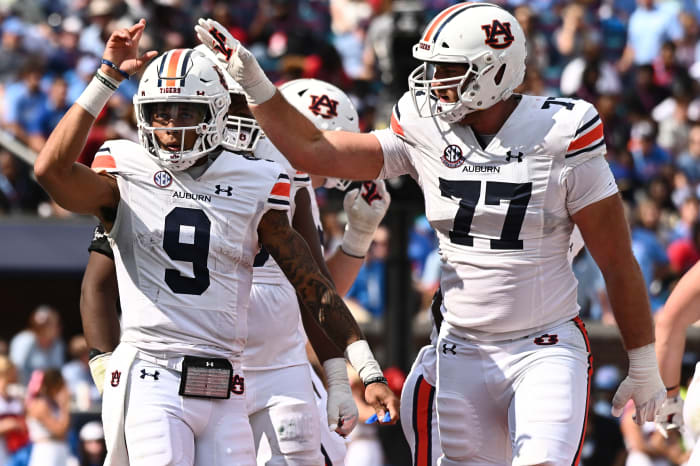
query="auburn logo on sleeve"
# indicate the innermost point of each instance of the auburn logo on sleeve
(495, 30)
(324, 106)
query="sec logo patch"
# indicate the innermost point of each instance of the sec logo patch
(162, 179)
(452, 156)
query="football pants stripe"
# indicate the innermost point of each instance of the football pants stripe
(582, 329)
(423, 398)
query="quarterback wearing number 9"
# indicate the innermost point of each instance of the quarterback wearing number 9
(505, 178)
(185, 220)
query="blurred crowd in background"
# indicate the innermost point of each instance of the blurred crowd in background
(637, 61)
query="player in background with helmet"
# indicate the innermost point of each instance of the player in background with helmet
(682, 309)
(505, 178)
(184, 250)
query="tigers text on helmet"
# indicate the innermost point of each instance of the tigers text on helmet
(242, 131)
(327, 107)
(487, 40)
(182, 82)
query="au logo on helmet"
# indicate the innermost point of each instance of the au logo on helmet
(324, 106)
(496, 29)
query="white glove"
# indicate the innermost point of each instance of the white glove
(670, 416)
(340, 408)
(239, 62)
(98, 366)
(365, 210)
(643, 384)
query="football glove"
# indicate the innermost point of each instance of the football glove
(340, 408)
(98, 366)
(643, 384)
(239, 62)
(670, 416)
(365, 209)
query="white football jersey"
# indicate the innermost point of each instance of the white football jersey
(502, 213)
(184, 248)
(276, 336)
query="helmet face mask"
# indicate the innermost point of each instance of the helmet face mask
(327, 107)
(487, 41)
(242, 131)
(181, 96)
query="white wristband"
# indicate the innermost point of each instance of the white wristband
(642, 359)
(336, 372)
(356, 243)
(260, 92)
(362, 359)
(97, 93)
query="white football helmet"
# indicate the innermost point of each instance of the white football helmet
(242, 132)
(485, 38)
(182, 76)
(327, 107)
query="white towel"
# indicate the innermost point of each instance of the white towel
(114, 404)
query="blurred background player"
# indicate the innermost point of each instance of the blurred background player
(492, 215)
(680, 312)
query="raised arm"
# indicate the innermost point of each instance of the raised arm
(72, 185)
(329, 153)
(604, 230)
(316, 293)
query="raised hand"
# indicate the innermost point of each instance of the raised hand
(365, 209)
(122, 49)
(239, 62)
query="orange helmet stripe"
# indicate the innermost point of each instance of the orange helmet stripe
(442, 16)
(173, 61)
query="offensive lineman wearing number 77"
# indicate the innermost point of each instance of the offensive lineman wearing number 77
(505, 177)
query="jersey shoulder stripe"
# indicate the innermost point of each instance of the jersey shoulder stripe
(120, 155)
(587, 137)
(279, 194)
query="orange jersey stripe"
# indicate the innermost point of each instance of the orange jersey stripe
(593, 135)
(396, 126)
(172, 66)
(281, 189)
(104, 161)
(439, 19)
(423, 411)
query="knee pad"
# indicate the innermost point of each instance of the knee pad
(460, 437)
(154, 440)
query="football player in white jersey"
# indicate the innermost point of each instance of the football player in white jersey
(682, 309)
(185, 225)
(505, 178)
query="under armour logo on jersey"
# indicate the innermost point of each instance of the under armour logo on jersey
(369, 192)
(238, 384)
(546, 340)
(451, 349)
(145, 374)
(510, 155)
(220, 38)
(116, 375)
(496, 29)
(228, 190)
(324, 106)
(208, 363)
